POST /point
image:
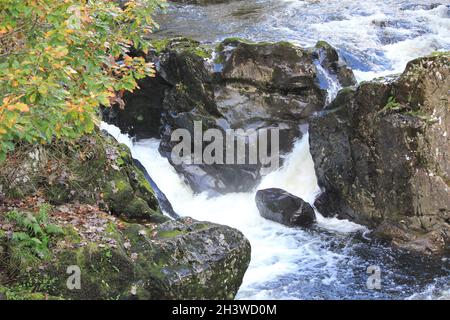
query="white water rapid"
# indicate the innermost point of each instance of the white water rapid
(276, 250)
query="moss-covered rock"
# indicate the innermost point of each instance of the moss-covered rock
(181, 259)
(93, 170)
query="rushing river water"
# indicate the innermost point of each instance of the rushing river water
(376, 37)
(331, 260)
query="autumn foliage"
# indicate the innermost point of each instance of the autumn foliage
(60, 60)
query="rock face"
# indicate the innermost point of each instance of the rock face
(381, 153)
(239, 85)
(282, 207)
(143, 109)
(271, 66)
(182, 259)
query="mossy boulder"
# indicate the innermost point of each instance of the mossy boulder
(93, 170)
(381, 154)
(182, 259)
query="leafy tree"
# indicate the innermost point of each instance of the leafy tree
(61, 59)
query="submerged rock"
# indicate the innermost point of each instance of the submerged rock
(381, 155)
(282, 207)
(419, 6)
(164, 203)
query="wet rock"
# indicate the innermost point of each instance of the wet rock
(242, 85)
(393, 31)
(328, 204)
(182, 64)
(282, 207)
(380, 154)
(272, 66)
(331, 61)
(200, 94)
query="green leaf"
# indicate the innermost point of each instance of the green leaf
(20, 236)
(53, 229)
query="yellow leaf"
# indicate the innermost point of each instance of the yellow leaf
(60, 52)
(22, 107)
(128, 59)
(6, 100)
(43, 90)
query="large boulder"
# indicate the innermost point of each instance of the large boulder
(279, 66)
(113, 259)
(381, 155)
(282, 207)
